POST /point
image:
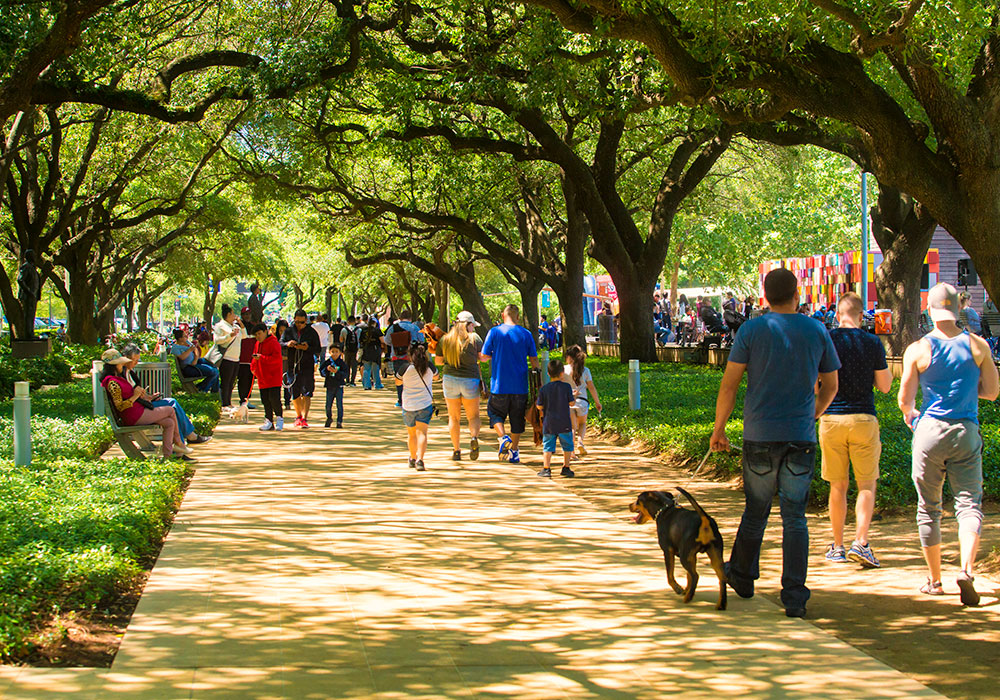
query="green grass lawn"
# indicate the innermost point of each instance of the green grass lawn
(678, 411)
(76, 530)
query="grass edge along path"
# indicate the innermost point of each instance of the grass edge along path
(678, 412)
(78, 532)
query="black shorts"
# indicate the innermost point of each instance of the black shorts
(303, 383)
(502, 407)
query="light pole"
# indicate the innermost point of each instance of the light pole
(864, 240)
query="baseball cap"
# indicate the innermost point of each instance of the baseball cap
(466, 317)
(245, 310)
(942, 302)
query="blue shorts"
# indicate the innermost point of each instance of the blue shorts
(565, 441)
(411, 418)
(460, 387)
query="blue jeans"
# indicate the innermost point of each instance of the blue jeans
(184, 425)
(203, 368)
(338, 393)
(785, 468)
(371, 371)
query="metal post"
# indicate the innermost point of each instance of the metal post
(634, 400)
(97, 391)
(22, 424)
(864, 241)
(543, 359)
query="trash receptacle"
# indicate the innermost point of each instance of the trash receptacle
(155, 376)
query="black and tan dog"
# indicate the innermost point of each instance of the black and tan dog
(683, 533)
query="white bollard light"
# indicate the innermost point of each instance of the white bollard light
(22, 424)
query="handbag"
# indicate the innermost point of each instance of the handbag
(217, 352)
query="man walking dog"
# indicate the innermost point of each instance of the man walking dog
(782, 353)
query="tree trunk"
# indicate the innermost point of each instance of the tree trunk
(674, 273)
(129, 309)
(529, 303)
(328, 303)
(80, 298)
(635, 304)
(472, 301)
(444, 303)
(903, 230)
(211, 295)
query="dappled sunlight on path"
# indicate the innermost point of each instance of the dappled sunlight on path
(315, 564)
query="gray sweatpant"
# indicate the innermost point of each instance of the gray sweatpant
(952, 449)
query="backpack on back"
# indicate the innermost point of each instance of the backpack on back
(351, 346)
(400, 339)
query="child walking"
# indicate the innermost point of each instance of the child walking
(266, 365)
(555, 401)
(418, 403)
(582, 382)
(333, 369)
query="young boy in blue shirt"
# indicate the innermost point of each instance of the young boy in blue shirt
(555, 401)
(333, 369)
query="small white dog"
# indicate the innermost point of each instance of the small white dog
(240, 413)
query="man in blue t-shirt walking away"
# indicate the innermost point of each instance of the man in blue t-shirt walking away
(849, 431)
(782, 353)
(508, 348)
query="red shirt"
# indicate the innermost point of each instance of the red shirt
(267, 367)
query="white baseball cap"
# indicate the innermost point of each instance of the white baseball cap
(467, 317)
(942, 302)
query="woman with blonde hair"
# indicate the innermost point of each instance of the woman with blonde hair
(582, 381)
(458, 355)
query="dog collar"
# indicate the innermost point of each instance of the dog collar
(660, 512)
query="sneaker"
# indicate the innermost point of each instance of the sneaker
(279, 423)
(545, 473)
(932, 588)
(268, 425)
(412, 463)
(515, 457)
(298, 421)
(329, 422)
(304, 423)
(862, 554)
(504, 452)
(420, 466)
(474, 449)
(567, 472)
(795, 612)
(399, 405)
(251, 407)
(581, 450)
(182, 450)
(456, 456)
(836, 554)
(340, 425)
(967, 590)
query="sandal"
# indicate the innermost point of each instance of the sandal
(932, 588)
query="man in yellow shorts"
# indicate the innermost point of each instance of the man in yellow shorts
(849, 431)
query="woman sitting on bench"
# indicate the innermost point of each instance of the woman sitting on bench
(184, 426)
(127, 401)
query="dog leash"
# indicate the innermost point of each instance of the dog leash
(703, 460)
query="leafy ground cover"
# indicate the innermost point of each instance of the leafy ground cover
(678, 411)
(77, 531)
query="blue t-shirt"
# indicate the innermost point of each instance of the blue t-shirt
(509, 347)
(861, 355)
(783, 353)
(555, 399)
(178, 350)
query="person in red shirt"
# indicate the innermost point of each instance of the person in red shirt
(266, 365)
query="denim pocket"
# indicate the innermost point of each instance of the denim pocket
(801, 458)
(757, 458)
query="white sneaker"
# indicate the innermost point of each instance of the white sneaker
(182, 449)
(268, 425)
(279, 423)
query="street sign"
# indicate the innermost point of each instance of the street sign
(546, 300)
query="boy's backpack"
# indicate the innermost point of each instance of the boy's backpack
(400, 339)
(351, 346)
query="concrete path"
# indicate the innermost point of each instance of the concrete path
(315, 564)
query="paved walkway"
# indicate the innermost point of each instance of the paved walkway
(314, 564)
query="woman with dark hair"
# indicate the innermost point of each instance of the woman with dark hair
(228, 334)
(582, 382)
(267, 366)
(418, 403)
(127, 402)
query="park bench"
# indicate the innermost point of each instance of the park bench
(133, 439)
(188, 384)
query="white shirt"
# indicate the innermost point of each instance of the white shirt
(323, 331)
(580, 391)
(416, 391)
(223, 334)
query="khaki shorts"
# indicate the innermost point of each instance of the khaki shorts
(850, 439)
